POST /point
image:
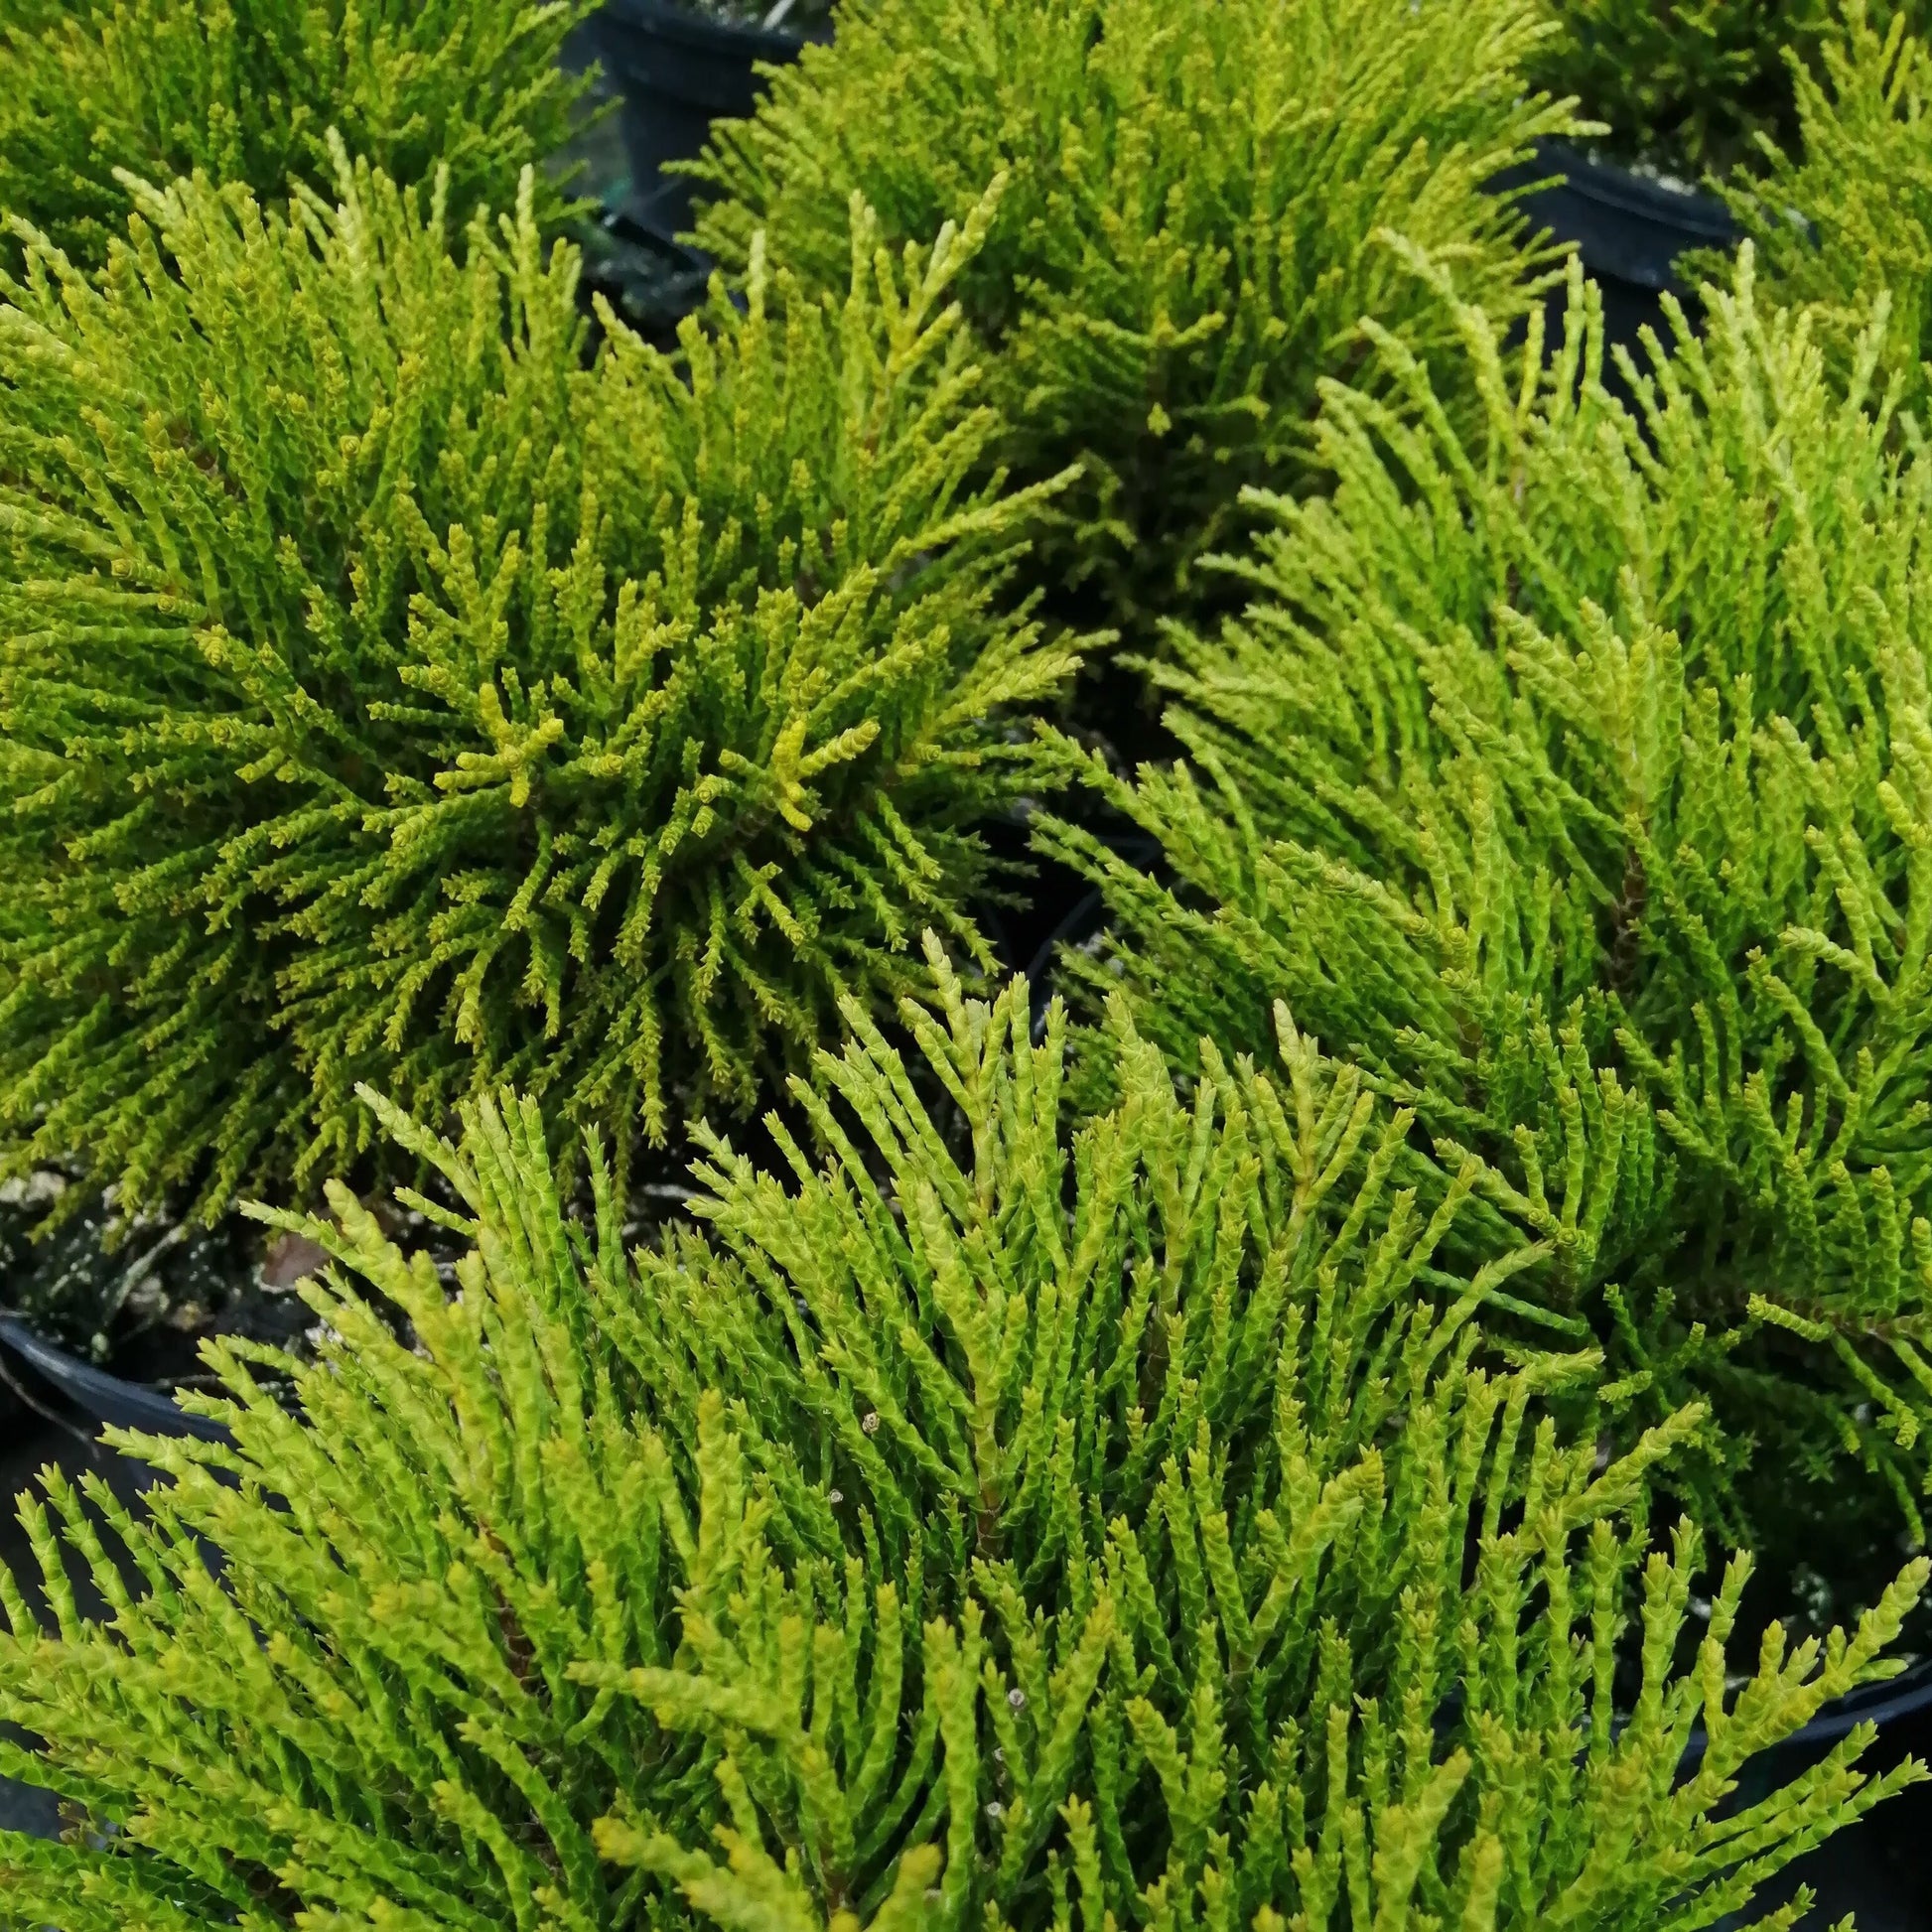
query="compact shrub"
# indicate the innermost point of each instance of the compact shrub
(388, 694)
(1192, 230)
(1577, 778)
(1693, 86)
(247, 90)
(1845, 211)
(981, 1526)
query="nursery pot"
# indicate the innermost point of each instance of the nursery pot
(102, 1400)
(17, 1419)
(677, 71)
(1629, 230)
(1873, 1869)
(58, 1398)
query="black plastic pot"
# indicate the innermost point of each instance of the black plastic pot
(100, 1399)
(1873, 1870)
(53, 1407)
(1629, 230)
(677, 71)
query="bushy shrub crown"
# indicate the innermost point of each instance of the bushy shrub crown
(964, 1519)
(247, 90)
(1844, 211)
(981, 1526)
(389, 695)
(1193, 229)
(1693, 86)
(1577, 778)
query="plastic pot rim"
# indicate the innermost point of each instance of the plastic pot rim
(701, 34)
(1608, 184)
(104, 1398)
(1878, 1705)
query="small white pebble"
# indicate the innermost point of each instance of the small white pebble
(995, 1809)
(837, 1496)
(1017, 1698)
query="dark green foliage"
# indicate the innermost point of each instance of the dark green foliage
(388, 695)
(982, 1528)
(1577, 778)
(247, 90)
(1193, 229)
(1846, 213)
(1692, 85)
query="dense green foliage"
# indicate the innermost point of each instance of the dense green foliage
(1193, 231)
(246, 90)
(982, 1527)
(1691, 85)
(1846, 210)
(1196, 1471)
(388, 694)
(1578, 779)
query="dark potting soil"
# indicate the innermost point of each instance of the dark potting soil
(136, 1299)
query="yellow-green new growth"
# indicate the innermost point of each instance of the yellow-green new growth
(391, 694)
(250, 91)
(1192, 231)
(1576, 777)
(1842, 211)
(985, 1524)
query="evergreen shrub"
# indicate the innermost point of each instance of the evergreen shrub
(247, 90)
(388, 693)
(1693, 86)
(1194, 227)
(1576, 777)
(979, 1526)
(1845, 210)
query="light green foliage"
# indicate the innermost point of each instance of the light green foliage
(388, 695)
(1577, 778)
(1846, 213)
(248, 89)
(1192, 231)
(1691, 85)
(983, 1527)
